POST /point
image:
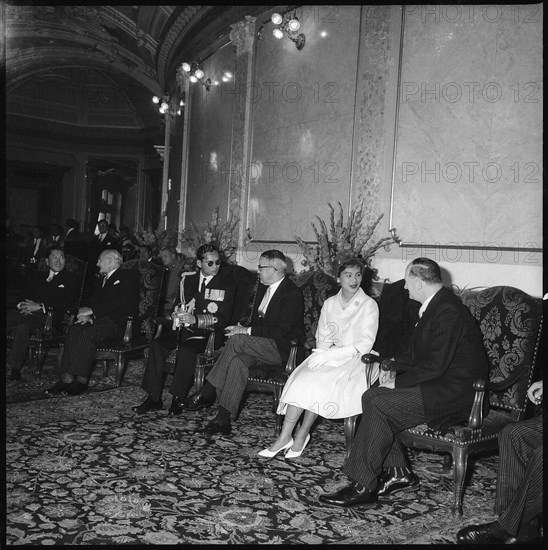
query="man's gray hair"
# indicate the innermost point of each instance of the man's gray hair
(115, 255)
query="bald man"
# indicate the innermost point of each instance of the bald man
(102, 319)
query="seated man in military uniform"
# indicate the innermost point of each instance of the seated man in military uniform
(206, 300)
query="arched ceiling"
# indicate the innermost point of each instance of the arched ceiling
(134, 48)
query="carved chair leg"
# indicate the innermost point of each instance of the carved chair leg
(60, 357)
(199, 375)
(120, 368)
(460, 462)
(31, 357)
(40, 360)
(349, 430)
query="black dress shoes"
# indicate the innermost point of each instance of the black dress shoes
(216, 427)
(175, 408)
(487, 533)
(390, 485)
(352, 495)
(149, 404)
(76, 388)
(196, 402)
(58, 388)
(15, 374)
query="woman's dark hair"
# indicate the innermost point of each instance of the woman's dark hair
(351, 262)
(204, 249)
(368, 274)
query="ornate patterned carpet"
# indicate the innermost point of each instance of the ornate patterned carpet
(87, 470)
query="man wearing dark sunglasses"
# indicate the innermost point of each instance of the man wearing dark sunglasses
(276, 319)
(205, 296)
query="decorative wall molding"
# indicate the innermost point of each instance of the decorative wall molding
(243, 35)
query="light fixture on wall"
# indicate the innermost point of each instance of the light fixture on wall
(196, 74)
(286, 24)
(166, 106)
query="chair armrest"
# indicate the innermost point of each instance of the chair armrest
(292, 359)
(158, 331)
(475, 420)
(48, 323)
(128, 334)
(210, 346)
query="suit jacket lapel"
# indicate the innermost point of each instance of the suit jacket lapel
(276, 297)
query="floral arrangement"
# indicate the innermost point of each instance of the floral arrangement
(223, 235)
(158, 239)
(340, 241)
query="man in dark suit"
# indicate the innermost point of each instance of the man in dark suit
(519, 496)
(75, 243)
(206, 300)
(103, 318)
(104, 240)
(276, 319)
(433, 385)
(55, 237)
(35, 249)
(55, 288)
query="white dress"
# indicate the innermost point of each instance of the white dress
(334, 389)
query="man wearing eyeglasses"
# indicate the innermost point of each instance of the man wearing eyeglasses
(276, 319)
(206, 299)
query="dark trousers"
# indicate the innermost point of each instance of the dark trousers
(81, 345)
(386, 412)
(519, 481)
(156, 369)
(22, 326)
(231, 371)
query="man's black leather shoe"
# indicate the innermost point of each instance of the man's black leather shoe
(148, 404)
(58, 387)
(196, 402)
(390, 485)
(487, 533)
(216, 427)
(15, 374)
(76, 388)
(175, 408)
(351, 495)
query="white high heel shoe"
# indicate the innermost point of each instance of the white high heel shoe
(270, 454)
(296, 454)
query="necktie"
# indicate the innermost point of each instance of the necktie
(105, 280)
(203, 284)
(264, 302)
(51, 276)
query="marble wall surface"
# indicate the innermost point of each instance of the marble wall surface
(210, 142)
(461, 126)
(469, 144)
(303, 114)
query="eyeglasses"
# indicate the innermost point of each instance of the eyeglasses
(267, 267)
(211, 263)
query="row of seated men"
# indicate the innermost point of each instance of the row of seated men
(432, 382)
(37, 245)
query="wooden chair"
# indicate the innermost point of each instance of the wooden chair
(47, 337)
(316, 287)
(245, 284)
(140, 331)
(511, 323)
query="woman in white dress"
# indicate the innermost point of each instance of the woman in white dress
(331, 381)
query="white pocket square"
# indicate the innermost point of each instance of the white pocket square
(116, 282)
(61, 286)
